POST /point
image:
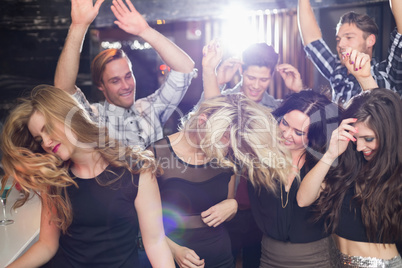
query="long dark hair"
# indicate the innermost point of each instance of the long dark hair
(324, 117)
(377, 182)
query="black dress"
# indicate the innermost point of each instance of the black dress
(186, 191)
(105, 224)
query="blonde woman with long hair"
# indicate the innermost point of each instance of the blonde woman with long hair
(223, 136)
(95, 194)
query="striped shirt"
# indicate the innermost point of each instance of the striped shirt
(143, 123)
(388, 73)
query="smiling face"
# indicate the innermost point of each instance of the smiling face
(349, 35)
(366, 141)
(294, 127)
(255, 82)
(59, 146)
(118, 83)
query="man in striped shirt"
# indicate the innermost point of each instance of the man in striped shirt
(358, 32)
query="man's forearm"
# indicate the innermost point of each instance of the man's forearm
(68, 63)
(170, 53)
(308, 26)
(396, 6)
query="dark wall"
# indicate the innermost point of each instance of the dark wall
(329, 17)
(174, 10)
(33, 33)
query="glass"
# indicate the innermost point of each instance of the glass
(3, 201)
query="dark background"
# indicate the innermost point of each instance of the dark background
(32, 34)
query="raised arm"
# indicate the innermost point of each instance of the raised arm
(83, 12)
(227, 69)
(358, 64)
(132, 22)
(149, 209)
(46, 247)
(396, 7)
(291, 77)
(308, 26)
(312, 184)
(212, 55)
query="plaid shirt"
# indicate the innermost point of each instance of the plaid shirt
(143, 122)
(387, 73)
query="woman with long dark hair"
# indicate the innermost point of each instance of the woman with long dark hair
(358, 182)
(291, 239)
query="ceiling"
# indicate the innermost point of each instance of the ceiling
(41, 14)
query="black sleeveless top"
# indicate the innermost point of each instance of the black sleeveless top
(105, 224)
(351, 225)
(289, 224)
(186, 191)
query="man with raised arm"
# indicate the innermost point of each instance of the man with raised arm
(132, 122)
(259, 61)
(357, 32)
(257, 66)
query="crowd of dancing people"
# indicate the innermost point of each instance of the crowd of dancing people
(309, 180)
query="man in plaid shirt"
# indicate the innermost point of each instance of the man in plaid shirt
(133, 123)
(357, 32)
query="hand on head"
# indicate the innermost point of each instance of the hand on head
(290, 76)
(340, 139)
(227, 69)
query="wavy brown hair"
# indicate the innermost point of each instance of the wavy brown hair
(45, 174)
(377, 182)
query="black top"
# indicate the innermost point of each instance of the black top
(105, 225)
(190, 189)
(351, 225)
(290, 224)
(186, 191)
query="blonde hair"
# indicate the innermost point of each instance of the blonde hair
(254, 138)
(34, 169)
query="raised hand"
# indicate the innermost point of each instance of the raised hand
(228, 69)
(358, 64)
(212, 55)
(290, 76)
(340, 139)
(128, 18)
(84, 11)
(219, 213)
